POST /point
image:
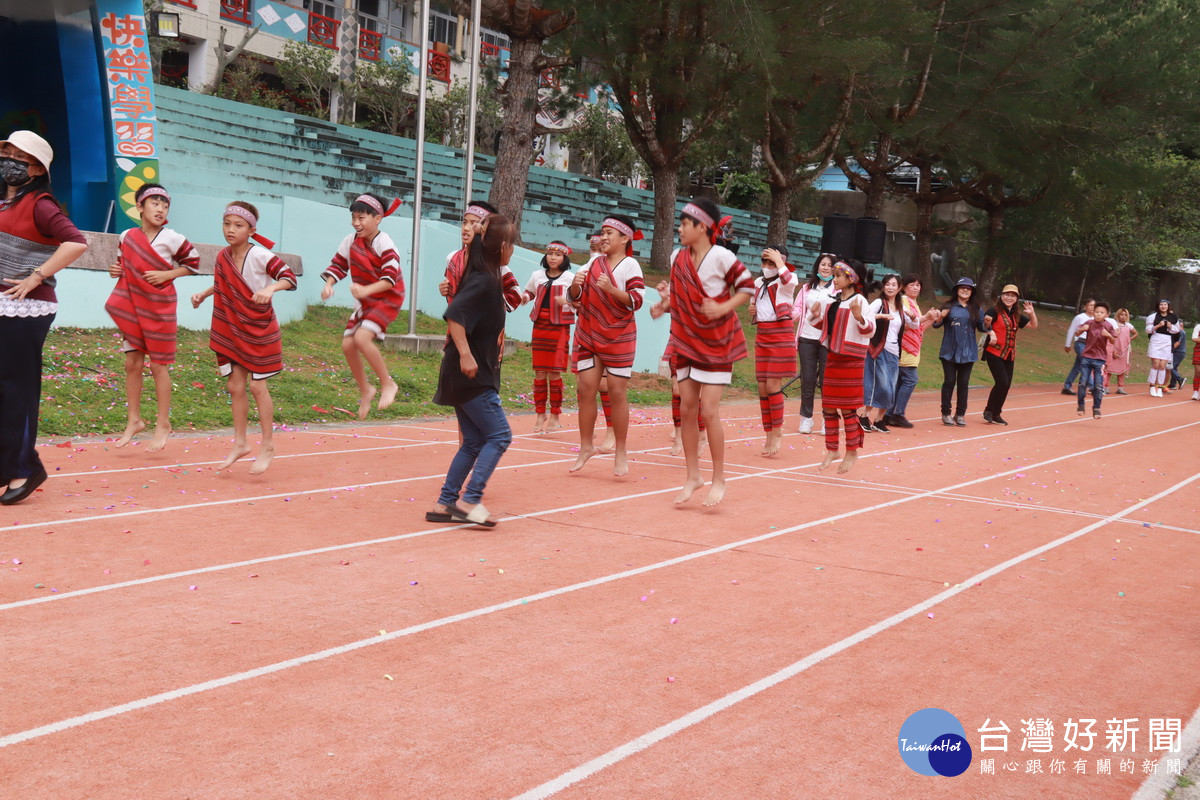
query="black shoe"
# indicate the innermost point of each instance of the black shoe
(899, 421)
(21, 492)
(998, 420)
(881, 427)
(865, 423)
(987, 417)
(1067, 390)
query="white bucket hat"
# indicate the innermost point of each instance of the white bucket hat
(34, 145)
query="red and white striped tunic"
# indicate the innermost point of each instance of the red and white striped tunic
(143, 312)
(245, 332)
(705, 349)
(604, 328)
(551, 321)
(368, 263)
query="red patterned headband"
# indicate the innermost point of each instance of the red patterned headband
(555, 247)
(245, 214)
(842, 268)
(621, 227)
(478, 211)
(373, 203)
(155, 191)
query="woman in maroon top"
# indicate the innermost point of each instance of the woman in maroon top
(36, 241)
(1002, 323)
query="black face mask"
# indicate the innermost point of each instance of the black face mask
(13, 172)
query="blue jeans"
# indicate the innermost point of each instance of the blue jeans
(485, 437)
(879, 379)
(905, 385)
(1092, 374)
(1076, 368)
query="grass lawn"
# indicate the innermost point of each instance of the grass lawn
(83, 391)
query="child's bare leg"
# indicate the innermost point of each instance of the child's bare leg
(775, 436)
(689, 428)
(236, 383)
(617, 392)
(133, 396)
(366, 392)
(587, 383)
(266, 418)
(162, 394)
(365, 339)
(710, 407)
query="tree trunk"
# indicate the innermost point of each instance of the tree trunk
(781, 212)
(511, 174)
(874, 195)
(991, 254)
(666, 188)
(923, 246)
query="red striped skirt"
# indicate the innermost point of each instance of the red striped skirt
(775, 350)
(843, 387)
(550, 344)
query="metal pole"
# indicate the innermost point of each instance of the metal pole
(422, 83)
(473, 103)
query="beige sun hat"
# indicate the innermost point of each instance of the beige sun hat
(34, 145)
(1010, 288)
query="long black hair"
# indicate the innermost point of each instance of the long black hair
(973, 309)
(486, 250)
(566, 262)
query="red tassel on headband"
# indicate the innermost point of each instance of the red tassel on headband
(264, 241)
(724, 228)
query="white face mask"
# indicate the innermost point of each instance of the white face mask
(769, 272)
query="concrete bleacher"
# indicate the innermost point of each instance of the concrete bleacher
(205, 140)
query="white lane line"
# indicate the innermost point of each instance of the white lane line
(1161, 781)
(415, 534)
(663, 732)
(175, 694)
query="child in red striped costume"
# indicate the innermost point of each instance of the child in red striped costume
(606, 293)
(143, 306)
(846, 325)
(552, 318)
(708, 283)
(774, 340)
(245, 333)
(473, 222)
(369, 257)
(667, 370)
(610, 437)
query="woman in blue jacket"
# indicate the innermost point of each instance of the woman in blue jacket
(960, 318)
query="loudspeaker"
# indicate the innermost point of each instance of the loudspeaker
(837, 235)
(870, 234)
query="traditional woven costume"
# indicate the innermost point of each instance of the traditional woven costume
(143, 312)
(244, 332)
(704, 349)
(604, 328)
(846, 340)
(551, 330)
(367, 263)
(774, 338)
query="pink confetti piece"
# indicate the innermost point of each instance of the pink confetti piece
(193, 588)
(733, 581)
(16, 561)
(412, 583)
(645, 598)
(674, 620)
(146, 563)
(930, 615)
(670, 679)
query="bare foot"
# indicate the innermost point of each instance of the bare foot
(620, 466)
(161, 432)
(689, 488)
(239, 451)
(584, 454)
(364, 402)
(848, 462)
(677, 443)
(539, 425)
(830, 457)
(716, 493)
(263, 460)
(553, 424)
(388, 396)
(610, 442)
(776, 440)
(131, 430)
